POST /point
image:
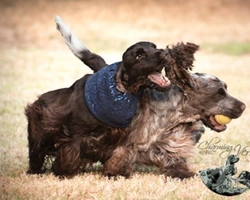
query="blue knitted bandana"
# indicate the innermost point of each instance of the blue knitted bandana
(105, 102)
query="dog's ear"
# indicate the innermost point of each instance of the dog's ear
(146, 44)
(180, 62)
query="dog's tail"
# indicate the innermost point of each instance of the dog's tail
(74, 44)
(94, 61)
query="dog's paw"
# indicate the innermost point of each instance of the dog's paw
(35, 171)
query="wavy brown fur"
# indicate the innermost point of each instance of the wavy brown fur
(60, 123)
(161, 134)
(159, 137)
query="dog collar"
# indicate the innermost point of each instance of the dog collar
(106, 103)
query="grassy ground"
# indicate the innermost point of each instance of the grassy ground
(33, 60)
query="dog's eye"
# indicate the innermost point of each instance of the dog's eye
(221, 91)
(139, 56)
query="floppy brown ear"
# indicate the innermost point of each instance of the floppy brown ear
(180, 63)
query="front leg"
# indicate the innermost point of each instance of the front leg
(119, 164)
(68, 160)
(178, 169)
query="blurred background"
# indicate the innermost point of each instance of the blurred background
(34, 60)
(113, 25)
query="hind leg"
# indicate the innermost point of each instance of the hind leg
(36, 160)
(35, 138)
(36, 152)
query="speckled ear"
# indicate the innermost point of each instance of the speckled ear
(180, 63)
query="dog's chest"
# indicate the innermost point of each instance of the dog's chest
(105, 102)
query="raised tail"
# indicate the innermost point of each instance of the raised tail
(74, 44)
(78, 48)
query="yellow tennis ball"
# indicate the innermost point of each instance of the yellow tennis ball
(222, 119)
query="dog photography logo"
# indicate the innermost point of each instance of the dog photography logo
(216, 146)
(221, 181)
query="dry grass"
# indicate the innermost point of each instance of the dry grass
(34, 60)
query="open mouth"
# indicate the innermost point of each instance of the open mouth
(159, 79)
(216, 123)
(217, 126)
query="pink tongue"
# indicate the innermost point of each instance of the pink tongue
(217, 126)
(160, 80)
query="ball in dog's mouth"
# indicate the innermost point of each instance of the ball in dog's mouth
(222, 119)
(215, 125)
(159, 79)
(219, 122)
